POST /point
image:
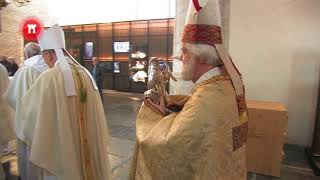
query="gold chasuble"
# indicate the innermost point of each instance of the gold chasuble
(204, 141)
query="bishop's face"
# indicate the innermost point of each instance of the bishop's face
(189, 63)
(49, 58)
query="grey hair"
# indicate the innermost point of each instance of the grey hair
(206, 52)
(32, 49)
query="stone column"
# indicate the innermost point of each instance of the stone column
(225, 16)
(180, 86)
(185, 87)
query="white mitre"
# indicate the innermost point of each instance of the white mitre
(53, 38)
(203, 26)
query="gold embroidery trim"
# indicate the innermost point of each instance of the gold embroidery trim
(242, 106)
(241, 102)
(86, 157)
(202, 33)
(212, 80)
(239, 135)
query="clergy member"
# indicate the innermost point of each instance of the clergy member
(206, 140)
(6, 116)
(23, 79)
(62, 117)
(97, 73)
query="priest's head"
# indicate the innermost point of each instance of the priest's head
(49, 57)
(202, 31)
(202, 48)
(31, 49)
(197, 59)
(52, 45)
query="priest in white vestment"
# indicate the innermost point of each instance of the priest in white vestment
(23, 79)
(62, 117)
(6, 116)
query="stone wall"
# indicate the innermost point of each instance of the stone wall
(276, 46)
(11, 41)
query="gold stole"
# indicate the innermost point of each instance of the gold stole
(85, 152)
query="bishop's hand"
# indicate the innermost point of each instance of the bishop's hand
(158, 75)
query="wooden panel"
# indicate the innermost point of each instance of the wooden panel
(124, 68)
(170, 46)
(107, 67)
(158, 27)
(139, 24)
(104, 30)
(171, 31)
(139, 28)
(159, 23)
(315, 148)
(267, 126)
(89, 36)
(75, 35)
(88, 65)
(144, 35)
(122, 82)
(122, 38)
(139, 87)
(274, 106)
(140, 42)
(121, 57)
(108, 81)
(105, 48)
(74, 44)
(171, 26)
(121, 33)
(316, 139)
(75, 40)
(158, 46)
(158, 31)
(76, 28)
(104, 34)
(121, 29)
(105, 27)
(90, 28)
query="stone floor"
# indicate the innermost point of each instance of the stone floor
(121, 110)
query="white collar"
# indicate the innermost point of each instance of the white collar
(32, 60)
(37, 62)
(212, 73)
